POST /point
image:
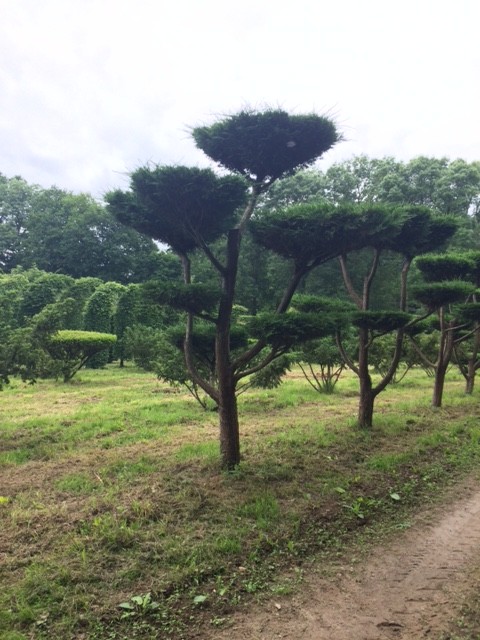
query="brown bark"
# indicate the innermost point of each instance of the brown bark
(470, 378)
(439, 384)
(473, 363)
(367, 395)
(229, 426)
(365, 406)
(227, 400)
(444, 356)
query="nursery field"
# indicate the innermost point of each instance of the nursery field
(116, 521)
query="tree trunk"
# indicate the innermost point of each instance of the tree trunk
(227, 404)
(440, 373)
(229, 428)
(470, 377)
(365, 405)
(367, 396)
(444, 356)
(472, 364)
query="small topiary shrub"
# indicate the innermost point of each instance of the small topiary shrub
(74, 348)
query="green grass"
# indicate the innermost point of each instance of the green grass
(111, 489)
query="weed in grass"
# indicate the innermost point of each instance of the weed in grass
(78, 483)
(263, 509)
(222, 587)
(128, 470)
(207, 451)
(388, 462)
(111, 531)
(139, 606)
(269, 469)
(282, 589)
(228, 545)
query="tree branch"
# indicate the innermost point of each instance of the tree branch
(267, 360)
(367, 283)
(348, 361)
(247, 356)
(187, 343)
(426, 362)
(208, 252)
(247, 214)
(348, 282)
(190, 363)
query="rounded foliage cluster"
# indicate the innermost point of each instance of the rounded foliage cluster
(180, 206)
(264, 146)
(383, 321)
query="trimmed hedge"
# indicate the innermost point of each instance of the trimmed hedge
(74, 348)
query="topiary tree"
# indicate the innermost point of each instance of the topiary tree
(321, 363)
(312, 234)
(467, 351)
(409, 231)
(100, 317)
(126, 317)
(43, 289)
(448, 283)
(22, 349)
(18, 355)
(72, 349)
(191, 208)
(80, 291)
(320, 360)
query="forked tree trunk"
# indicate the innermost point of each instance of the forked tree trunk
(445, 352)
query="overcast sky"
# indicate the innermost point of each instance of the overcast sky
(90, 89)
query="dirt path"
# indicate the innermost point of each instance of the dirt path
(408, 589)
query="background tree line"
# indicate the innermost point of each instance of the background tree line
(72, 234)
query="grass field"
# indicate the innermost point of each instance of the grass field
(117, 523)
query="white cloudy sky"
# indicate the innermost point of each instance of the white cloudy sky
(90, 89)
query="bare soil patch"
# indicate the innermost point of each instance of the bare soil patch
(410, 587)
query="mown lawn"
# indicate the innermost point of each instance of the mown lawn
(110, 490)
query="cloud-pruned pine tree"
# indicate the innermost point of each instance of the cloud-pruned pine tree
(190, 208)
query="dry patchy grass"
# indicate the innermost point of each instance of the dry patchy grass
(111, 489)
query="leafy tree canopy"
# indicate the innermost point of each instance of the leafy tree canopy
(264, 146)
(438, 294)
(315, 233)
(183, 207)
(380, 321)
(421, 230)
(197, 298)
(446, 266)
(283, 331)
